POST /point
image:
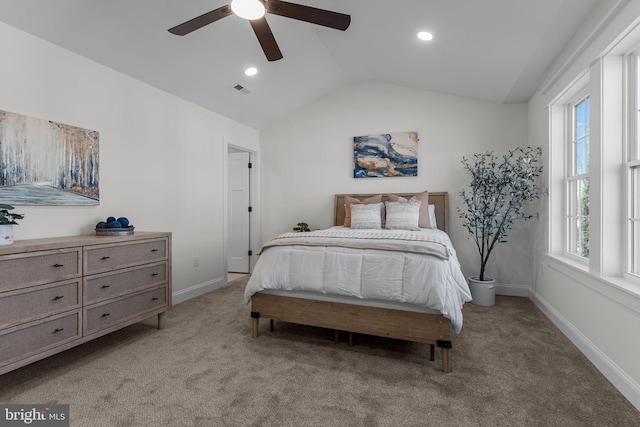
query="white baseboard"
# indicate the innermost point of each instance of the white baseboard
(512, 290)
(616, 375)
(197, 290)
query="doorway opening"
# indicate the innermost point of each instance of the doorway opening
(239, 210)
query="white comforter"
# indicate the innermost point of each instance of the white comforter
(415, 267)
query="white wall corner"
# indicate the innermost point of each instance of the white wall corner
(197, 290)
(614, 373)
(512, 290)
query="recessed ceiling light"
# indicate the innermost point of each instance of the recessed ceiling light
(251, 71)
(425, 35)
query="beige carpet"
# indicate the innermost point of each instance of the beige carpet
(511, 367)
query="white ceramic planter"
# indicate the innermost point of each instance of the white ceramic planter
(483, 291)
(6, 234)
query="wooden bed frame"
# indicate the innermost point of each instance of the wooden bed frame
(431, 329)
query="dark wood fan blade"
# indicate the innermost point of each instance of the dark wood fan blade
(202, 20)
(266, 39)
(326, 18)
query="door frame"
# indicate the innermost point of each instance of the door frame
(254, 202)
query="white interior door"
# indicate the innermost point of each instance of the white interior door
(238, 180)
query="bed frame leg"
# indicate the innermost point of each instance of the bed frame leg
(336, 336)
(350, 339)
(254, 328)
(432, 356)
(444, 348)
(445, 360)
(271, 329)
(255, 319)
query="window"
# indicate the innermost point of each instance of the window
(633, 167)
(594, 173)
(634, 220)
(578, 179)
(593, 232)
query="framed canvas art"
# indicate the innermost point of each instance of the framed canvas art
(385, 155)
(47, 163)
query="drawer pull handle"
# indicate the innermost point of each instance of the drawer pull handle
(154, 250)
(154, 274)
(58, 330)
(105, 286)
(154, 299)
(105, 315)
(58, 297)
(105, 258)
(58, 265)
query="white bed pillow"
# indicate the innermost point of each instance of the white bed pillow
(348, 201)
(366, 215)
(432, 216)
(403, 215)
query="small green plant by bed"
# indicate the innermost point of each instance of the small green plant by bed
(302, 226)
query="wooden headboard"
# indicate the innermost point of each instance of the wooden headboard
(440, 200)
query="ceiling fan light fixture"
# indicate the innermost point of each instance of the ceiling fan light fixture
(425, 35)
(254, 11)
(248, 9)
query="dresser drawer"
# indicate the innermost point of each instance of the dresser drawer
(35, 337)
(107, 285)
(102, 316)
(38, 302)
(35, 268)
(101, 258)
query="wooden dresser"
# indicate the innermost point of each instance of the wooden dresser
(61, 292)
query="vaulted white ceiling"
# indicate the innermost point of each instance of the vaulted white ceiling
(496, 50)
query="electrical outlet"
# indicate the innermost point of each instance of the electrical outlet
(196, 260)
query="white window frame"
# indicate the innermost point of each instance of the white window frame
(632, 167)
(572, 178)
(560, 135)
(614, 88)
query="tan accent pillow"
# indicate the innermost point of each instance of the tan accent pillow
(348, 201)
(423, 222)
(395, 198)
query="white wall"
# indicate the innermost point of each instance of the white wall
(308, 157)
(605, 327)
(161, 158)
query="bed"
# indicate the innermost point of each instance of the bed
(391, 283)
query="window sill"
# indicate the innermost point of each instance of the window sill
(621, 290)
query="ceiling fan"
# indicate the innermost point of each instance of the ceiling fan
(254, 11)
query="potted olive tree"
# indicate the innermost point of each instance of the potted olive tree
(493, 201)
(7, 221)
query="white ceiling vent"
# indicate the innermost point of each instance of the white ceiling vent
(243, 90)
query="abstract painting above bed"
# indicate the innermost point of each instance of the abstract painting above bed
(385, 155)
